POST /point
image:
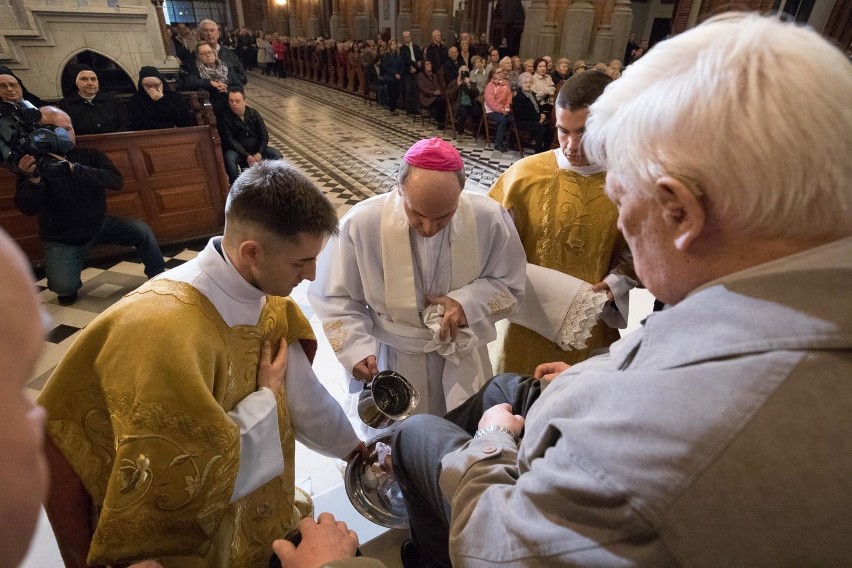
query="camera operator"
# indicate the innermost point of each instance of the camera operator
(462, 93)
(68, 193)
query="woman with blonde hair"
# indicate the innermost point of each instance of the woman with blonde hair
(478, 74)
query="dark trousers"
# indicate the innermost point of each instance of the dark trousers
(393, 93)
(438, 109)
(472, 111)
(233, 161)
(63, 263)
(410, 93)
(502, 133)
(541, 133)
(423, 440)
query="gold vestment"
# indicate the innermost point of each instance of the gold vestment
(566, 223)
(138, 408)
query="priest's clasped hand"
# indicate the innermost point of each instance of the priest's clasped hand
(365, 369)
(454, 316)
(603, 287)
(546, 372)
(270, 372)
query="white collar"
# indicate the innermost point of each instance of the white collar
(226, 277)
(586, 171)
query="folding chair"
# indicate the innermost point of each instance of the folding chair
(513, 129)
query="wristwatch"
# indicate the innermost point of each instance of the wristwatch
(494, 428)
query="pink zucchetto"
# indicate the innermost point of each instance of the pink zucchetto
(434, 154)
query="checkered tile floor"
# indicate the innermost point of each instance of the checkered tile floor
(349, 148)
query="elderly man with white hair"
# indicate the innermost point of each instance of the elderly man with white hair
(718, 434)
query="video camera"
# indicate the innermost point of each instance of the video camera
(21, 134)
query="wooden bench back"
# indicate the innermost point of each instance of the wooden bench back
(174, 179)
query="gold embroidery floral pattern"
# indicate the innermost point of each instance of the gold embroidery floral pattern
(501, 303)
(336, 334)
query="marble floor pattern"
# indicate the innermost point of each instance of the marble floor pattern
(351, 150)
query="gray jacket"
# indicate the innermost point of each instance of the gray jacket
(718, 435)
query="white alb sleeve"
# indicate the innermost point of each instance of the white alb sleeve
(318, 419)
(260, 441)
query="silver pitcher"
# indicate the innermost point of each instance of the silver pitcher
(389, 398)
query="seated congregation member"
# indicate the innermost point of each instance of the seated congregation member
(511, 76)
(718, 433)
(450, 68)
(478, 74)
(463, 94)
(187, 434)
(561, 72)
(245, 140)
(155, 105)
(212, 75)
(91, 110)
(498, 106)
(558, 197)
(209, 32)
(542, 85)
(70, 200)
(529, 116)
(417, 279)
(431, 95)
(12, 90)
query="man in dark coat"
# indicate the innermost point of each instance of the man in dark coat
(244, 136)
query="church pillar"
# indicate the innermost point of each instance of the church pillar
(362, 24)
(372, 18)
(313, 19)
(622, 23)
(334, 21)
(464, 20)
(548, 40)
(343, 28)
(534, 20)
(577, 30)
(602, 39)
(441, 21)
(403, 19)
(282, 21)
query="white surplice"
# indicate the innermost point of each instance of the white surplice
(318, 420)
(373, 280)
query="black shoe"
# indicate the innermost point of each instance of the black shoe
(67, 300)
(408, 554)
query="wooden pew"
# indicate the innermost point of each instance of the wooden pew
(174, 179)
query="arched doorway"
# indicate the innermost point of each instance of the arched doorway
(111, 77)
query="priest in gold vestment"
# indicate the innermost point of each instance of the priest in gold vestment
(566, 223)
(172, 420)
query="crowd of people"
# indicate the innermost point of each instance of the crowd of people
(715, 435)
(467, 75)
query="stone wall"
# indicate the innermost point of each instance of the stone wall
(39, 37)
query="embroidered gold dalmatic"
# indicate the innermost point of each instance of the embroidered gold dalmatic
(566, 223)
(138, 408)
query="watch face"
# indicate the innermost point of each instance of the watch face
(374, 492)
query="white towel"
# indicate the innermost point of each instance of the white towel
(453, 351)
